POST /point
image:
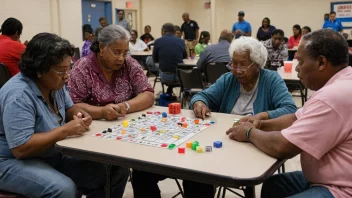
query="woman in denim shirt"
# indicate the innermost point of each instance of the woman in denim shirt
(36, 111)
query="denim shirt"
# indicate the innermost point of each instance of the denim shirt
(23, 112)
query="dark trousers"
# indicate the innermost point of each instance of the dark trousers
(293, 185)
(145, 185)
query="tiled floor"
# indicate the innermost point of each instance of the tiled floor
(169, 188)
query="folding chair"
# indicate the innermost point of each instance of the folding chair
(191, 83)
(213, 71)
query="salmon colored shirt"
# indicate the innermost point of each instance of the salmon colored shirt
(323, 130)
(10, 53)
(293, 42)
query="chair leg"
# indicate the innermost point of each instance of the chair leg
(162, 86)
(283, 168)
(219, 191)
(224, 192)
(180, 188)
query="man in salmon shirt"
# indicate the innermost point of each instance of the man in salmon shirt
(11, 48)
(321, 131)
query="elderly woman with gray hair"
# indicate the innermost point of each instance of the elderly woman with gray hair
(248, 89)
(109, 83)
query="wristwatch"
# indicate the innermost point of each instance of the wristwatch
(127, 106)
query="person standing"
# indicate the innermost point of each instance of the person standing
(265, 31)
(122, 21)
(333, 23)
(88, 36)
(190, 32)
(242, 27)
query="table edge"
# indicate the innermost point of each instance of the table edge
(167, 170)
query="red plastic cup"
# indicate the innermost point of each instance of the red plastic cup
(288, 67)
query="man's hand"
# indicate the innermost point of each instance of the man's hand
(238, 132)
(252, 119)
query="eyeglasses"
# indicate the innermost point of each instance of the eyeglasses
(240, 69)
(117, 54)
(62, 73)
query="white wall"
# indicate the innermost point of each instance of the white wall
(157, 12)
(63, 17)
(282, 13)
(34, 15)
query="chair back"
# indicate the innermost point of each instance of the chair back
(190, 78)
(77, 54)
(4, 74)
(213, 71)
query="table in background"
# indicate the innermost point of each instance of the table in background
(235, 164)
(143, 54)
(291, 79)
(188, 63)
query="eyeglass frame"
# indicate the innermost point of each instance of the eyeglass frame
(123, 55)
(62, 73)
(238, 68)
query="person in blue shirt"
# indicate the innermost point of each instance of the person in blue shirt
(333, 23)
(36, 111)
(242, 27)
(248, 89)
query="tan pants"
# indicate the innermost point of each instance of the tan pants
(189, 46)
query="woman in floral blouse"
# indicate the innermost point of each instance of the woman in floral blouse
(108, 83)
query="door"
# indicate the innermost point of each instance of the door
(93, 10)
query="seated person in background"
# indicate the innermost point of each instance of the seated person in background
(108, 83)
(178, 32)
(147, 37)
(345, 35)
(249, 89)
(35, 107)
(136, 44)
(103, 22)
(294, 40)
(168, 52)
(88, 36)
(217, 53)
(306, 30)
(203, 42)
(11, 47)
(277, 50)
(321, 131)
(264, 33)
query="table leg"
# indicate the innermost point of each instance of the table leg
(108, 181)
(249, 192)
(219, 192)
(224, 192)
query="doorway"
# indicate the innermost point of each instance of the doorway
(93, 10)
(130, 16)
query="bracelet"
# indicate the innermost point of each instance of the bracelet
(247, 134)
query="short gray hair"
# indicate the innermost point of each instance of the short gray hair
(112, 33)
(109, 35)
(256, 49)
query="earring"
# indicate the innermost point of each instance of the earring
(39, 76)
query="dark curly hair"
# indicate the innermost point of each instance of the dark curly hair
(44, 51)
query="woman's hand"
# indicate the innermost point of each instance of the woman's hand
(87, 119)
(75, 127)
(252, 119)
(201, 110)
(113, 111)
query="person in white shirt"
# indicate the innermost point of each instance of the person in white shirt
(136, 44)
